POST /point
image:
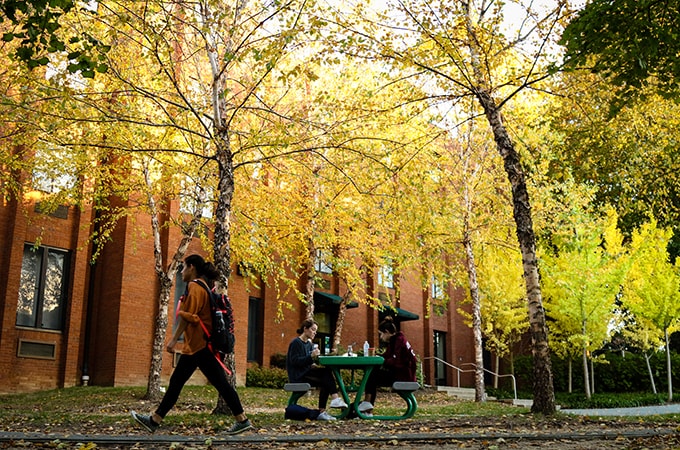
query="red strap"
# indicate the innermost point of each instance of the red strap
(205, 330)
(216, 354)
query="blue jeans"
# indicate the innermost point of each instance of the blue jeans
(378, 377)
(321, 377)
(186, 366)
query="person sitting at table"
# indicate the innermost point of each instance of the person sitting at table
(400, 364)
(302, 369)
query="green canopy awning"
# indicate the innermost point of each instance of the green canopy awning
(400, 315)
(331, 299)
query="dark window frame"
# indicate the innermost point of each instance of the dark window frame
(38, 317)
(255, 342)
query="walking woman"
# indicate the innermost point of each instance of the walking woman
(194, 309)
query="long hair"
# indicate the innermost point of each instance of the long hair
(309, 323)
(387, 325)
(204, 269)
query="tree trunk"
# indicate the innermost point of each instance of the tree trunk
(543, 389)
(586, 378)
(668, 366)
(480, 395)
(544, 394)
(225, 181)
(153, 387)
(311, 273)
(165, 281)
(592, 376)
(496, 372)
(222, 407)
(340, 324)
(649, 371)
(571, 372)
(222, 238)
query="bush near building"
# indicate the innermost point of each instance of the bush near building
(615, 373)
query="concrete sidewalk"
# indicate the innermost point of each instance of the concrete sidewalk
(656, 410)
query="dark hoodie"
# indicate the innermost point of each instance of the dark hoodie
(400, 358)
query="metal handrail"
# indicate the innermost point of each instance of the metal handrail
(459, 371)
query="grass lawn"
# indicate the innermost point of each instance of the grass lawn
(107, 406)
(105, 410)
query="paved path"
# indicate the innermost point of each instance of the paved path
(673, 408)
(255, 440)
(250, 440)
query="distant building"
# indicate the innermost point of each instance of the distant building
(67, 322)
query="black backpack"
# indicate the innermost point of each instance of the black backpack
(298, 412)
(222, 339)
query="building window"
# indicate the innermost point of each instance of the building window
(54, 170)
(437, 289)
(42, 289)
(386, 277)
(192, 197)
(180, 291)
(255, 327)
(321, 263)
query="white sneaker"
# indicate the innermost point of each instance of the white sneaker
(325, 416)
(338, 403)
(365, 406)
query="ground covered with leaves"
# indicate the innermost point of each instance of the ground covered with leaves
(95, 417)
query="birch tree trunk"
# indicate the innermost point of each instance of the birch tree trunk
(480, 395)
(225, 173)
(669, 373)
(340, 324)
(165, 281)
(309, 286)
(496, 372)
(584, 356)
(571, 381)
(543, 389)
(592, 376)
(649, 371)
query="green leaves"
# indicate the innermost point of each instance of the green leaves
(633, 43)
(39, 32)
(581, 277)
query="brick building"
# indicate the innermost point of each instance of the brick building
(65, 321)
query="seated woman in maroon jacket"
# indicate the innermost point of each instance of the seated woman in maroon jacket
(399, 365)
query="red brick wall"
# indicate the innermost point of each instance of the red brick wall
(25, 373)
(124, 301)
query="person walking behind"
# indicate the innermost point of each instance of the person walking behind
(400, 364)
(194, 309)
(302, 369)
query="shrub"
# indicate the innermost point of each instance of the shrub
(620, 400)
(272, 377)
(278, 360)
(615, 374)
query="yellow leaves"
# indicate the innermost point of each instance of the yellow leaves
(652, 288)
(581, 277)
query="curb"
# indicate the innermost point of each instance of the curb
(364, 438)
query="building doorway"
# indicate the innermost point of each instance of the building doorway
(440, 369)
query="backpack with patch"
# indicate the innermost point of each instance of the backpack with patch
(222, 339)
(298, 412)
